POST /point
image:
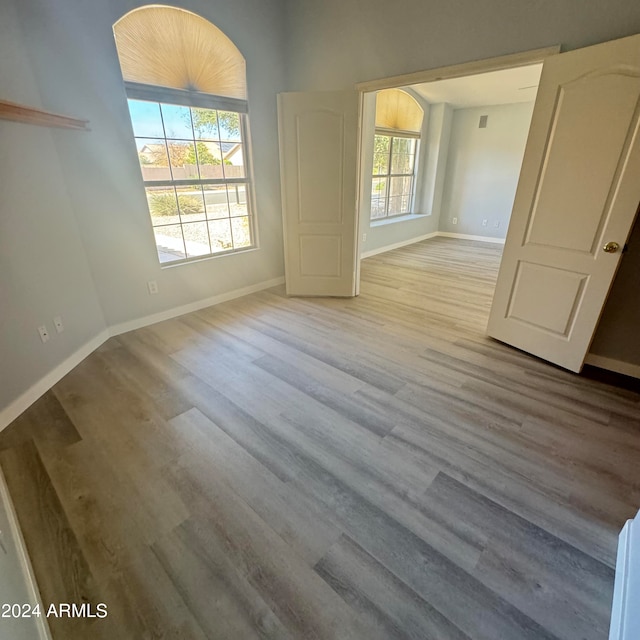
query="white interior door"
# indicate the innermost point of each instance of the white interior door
(579, 190)
(318, 167)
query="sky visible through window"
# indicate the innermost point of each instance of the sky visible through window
(149, 124)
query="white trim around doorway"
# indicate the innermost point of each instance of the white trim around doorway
(470, 68)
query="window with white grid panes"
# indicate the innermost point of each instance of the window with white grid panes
(195, 174)
(393, 174)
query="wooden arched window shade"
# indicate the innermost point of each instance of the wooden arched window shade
(170, 47)
(396, 110)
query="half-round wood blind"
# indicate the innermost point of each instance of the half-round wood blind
(396, 109)
(170, 47)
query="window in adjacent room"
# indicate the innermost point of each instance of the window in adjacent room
(397, 137)
(186, 89)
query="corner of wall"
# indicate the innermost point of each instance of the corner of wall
(9, 413)
(41, 386)
(437, 136)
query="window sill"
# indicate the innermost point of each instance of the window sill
(410, 216)
(211, 256)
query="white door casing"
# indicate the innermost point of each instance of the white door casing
(318, 134)
(579, 188)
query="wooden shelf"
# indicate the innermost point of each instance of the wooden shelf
(30, 115)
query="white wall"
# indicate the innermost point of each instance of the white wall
(76, 237)
(335, 43)
(434, 164)
(44, 270)
(483, 166)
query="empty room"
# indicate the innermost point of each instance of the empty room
(318, 320)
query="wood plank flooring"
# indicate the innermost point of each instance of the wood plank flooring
(373, 468)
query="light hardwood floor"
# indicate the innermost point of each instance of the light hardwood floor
(372, 468)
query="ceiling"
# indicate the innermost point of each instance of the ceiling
(496, 87)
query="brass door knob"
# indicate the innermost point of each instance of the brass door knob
(611, 247)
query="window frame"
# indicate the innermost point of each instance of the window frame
(397, 133)
(195, 99)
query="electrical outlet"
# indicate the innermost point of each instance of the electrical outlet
(44, 333)
(57, 323)
(454, 220)
(153, 287)
(485, 222)
(364, 237)
(496, 224)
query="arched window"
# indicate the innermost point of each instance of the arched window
(186, 87)
(398, 127)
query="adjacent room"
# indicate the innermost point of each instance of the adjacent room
(467, 139)
(319, 320)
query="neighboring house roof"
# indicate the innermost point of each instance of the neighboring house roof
(213, 147)
(151, 148)
(233, 150)
(228, 150)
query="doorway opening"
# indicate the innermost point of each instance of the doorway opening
(461, 193)
(468, 149)
(575, 192)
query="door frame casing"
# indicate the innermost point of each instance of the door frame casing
(471, 68)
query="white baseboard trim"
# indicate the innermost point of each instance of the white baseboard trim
(397, 245)
(174, 312)
(611, 364)
(41, 623)
(428, 236)
(24, 401)
(466, 236)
